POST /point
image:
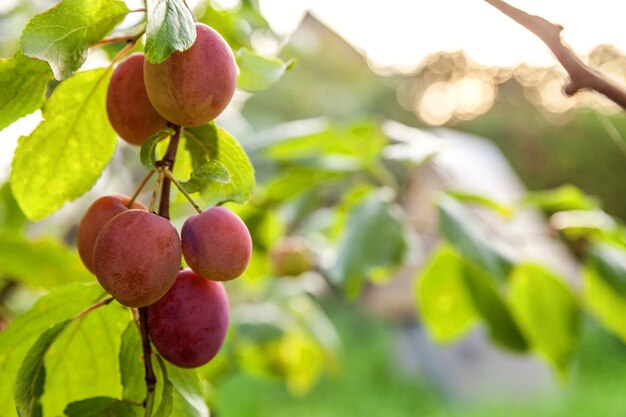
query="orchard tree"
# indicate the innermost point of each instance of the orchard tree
(136, 342)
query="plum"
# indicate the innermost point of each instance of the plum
(130, 112)
(189, 324)
(193, 87)
(97, 215)
(137, 257)
(216, 244)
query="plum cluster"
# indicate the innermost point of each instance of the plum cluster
(189, 88)
(136, 256)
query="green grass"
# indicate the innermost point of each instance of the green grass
(370, 385)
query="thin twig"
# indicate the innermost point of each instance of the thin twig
(581, 76)
(93, 307)
(168, 163)
(142, 184)
(180, 187)
(132, 39)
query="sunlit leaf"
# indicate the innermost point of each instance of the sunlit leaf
(565, 197)
(44, 263)
(103, 407)
(444, 303)
(29, 384)
(609, 263)
(147, 152)
(170, 28)
(62, 34)
(23, 83)
(131, 365)
(167, 394)
(374, 243)
(606, 304)
(188, 393)
(547, 313)
(481, 200)
(211, 170)
(12, 219)
(212, 142)
(491, 306)
(256, 72)
(472, 241)
(17, 338)
(83, 362)
(65, 155)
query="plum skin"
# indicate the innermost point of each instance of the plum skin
(188, 325)
(216, 244)
(193, 87)
(97, 215)
(137, 257)
(129, 110)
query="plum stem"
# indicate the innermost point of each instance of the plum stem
(142, 184)
(147, 361)
(167, 163)
(168, 174)
(155, 190)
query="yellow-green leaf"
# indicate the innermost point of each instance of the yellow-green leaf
(23, 83)
(547, 313)
(64, 156)
(62, 34)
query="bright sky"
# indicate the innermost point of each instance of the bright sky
(402, 32)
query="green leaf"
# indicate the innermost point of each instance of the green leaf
(472, 241)
(62, 34)
(29, 384)
(83, 363)
(188, 393)
(12, 220)
(131, 365)
(170, 28)
(464, 197)
(547, 313)
(488, 302)
(102, 407)
(211, 142)
(609, 263)
(16, 339)
(39, 264)
(212, 170)
(443, 300)
(565, 197)
(606, 304)
(374, 243)
(258, 73)
(304, 139)
(65, 155)
(147, 153)
(23, 83)
(167, 396)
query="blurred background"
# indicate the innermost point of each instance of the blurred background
(388, 107)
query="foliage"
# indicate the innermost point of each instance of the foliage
(338, 185)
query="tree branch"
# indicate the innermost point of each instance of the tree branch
(581, 76)
(164, 209)
(147, 361)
